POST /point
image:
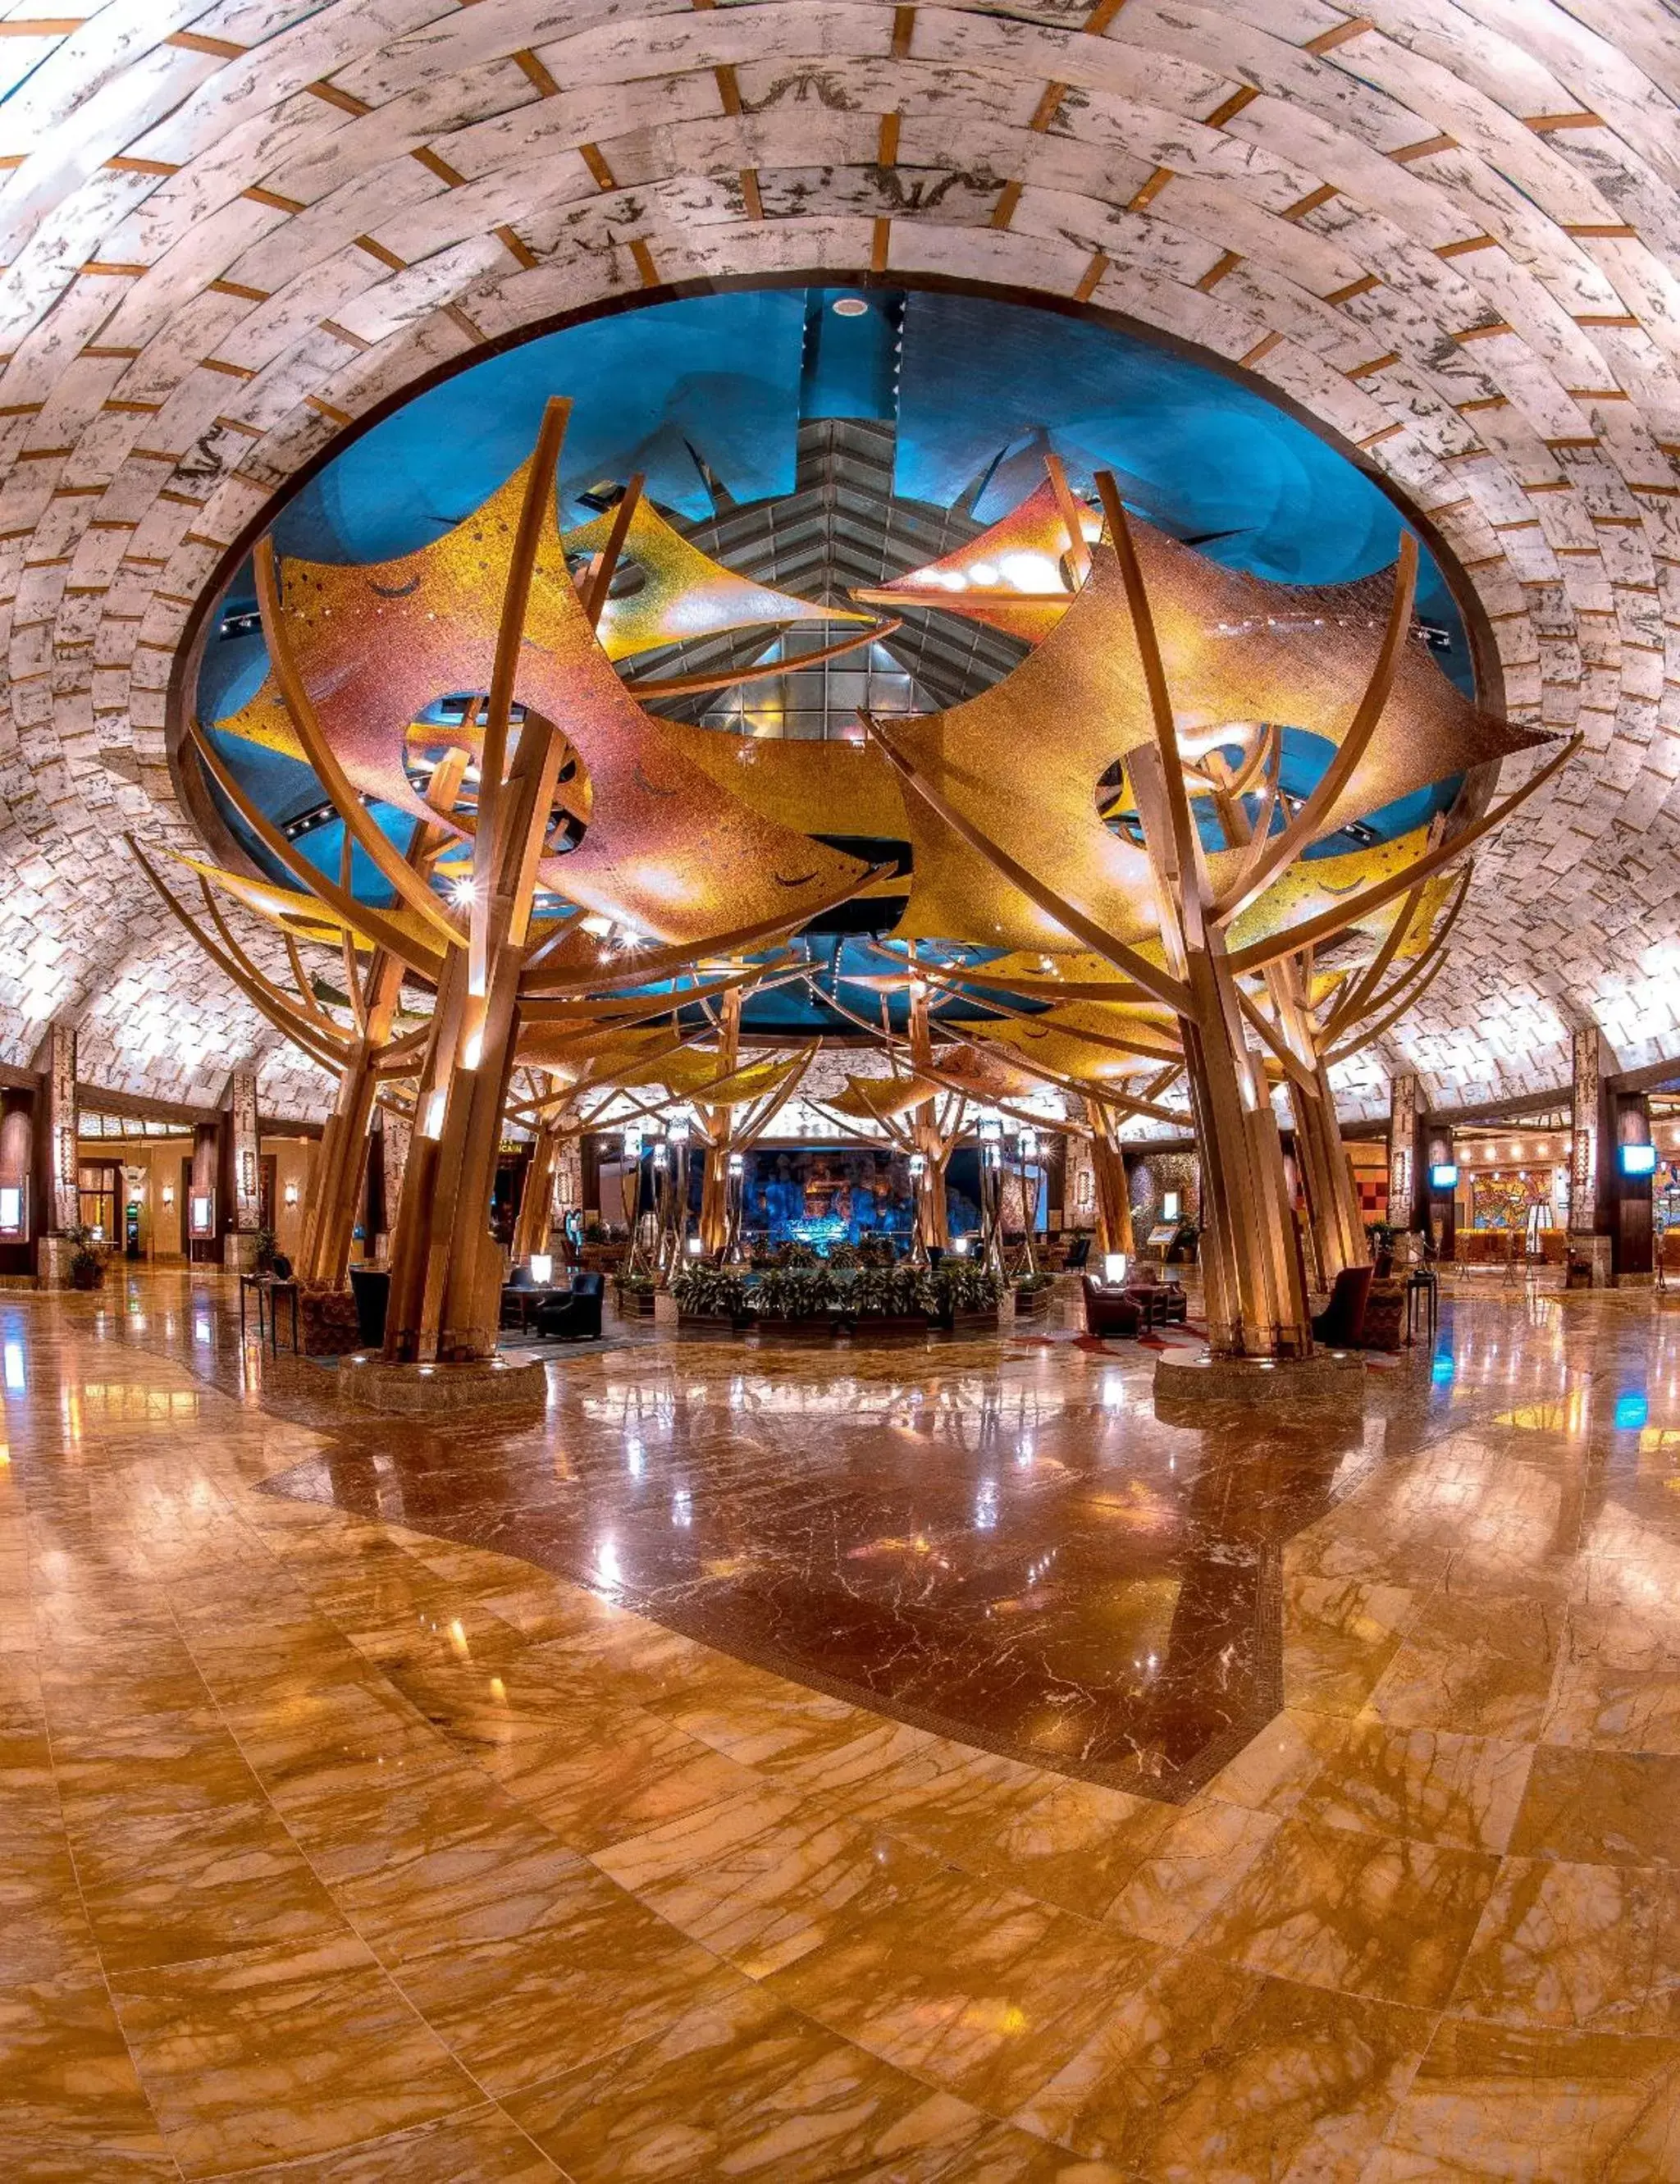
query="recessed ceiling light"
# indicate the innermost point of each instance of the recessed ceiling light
(849, 307)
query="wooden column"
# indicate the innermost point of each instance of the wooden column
(1107, 1174)
(1255, 1297)
(932, 1208)
(715, 1128)
(536, 1196)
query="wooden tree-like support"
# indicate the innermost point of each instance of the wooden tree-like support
(1256, 1293)
(356, 655)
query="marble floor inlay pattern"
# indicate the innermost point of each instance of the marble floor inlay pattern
(907, 1765)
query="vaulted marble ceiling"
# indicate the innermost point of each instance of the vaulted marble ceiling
(1449, 234)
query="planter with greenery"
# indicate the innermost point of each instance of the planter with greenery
(890, 1300)
(1032, 1293)
(843, 1257)
(876, 1251)
(708, 1296)
(967, 1294)
(87, 1262)
(794, 1301)
(636, 1294)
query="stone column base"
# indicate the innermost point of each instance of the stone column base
(52, 1262)
(665, 1313)
(239, 1251)
(1596, 1251)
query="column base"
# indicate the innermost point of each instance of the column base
(1195, 1380)
(239, 1251)
(53, 1263)
(491, 1383)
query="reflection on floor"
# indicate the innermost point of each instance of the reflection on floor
(342, 1846)
(999, 1545)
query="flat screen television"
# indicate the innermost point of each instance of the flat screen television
(1444, 1175)
(1637, 1159)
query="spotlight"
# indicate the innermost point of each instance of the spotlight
(461, 894)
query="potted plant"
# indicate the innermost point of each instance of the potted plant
(844, 1258)
(636, 1294)
(874, 1250)
(794, 1301)
(708, 1297)
(797, 1255)
(87, 1261)
(967, 1294)
(1032, 1294)
(267, 1243)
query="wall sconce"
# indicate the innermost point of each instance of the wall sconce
(737, 1164)
(168, 1193)
(292, 1194)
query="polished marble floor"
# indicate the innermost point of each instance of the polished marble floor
(894, 1765)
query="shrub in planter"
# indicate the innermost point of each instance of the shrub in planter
(636, 1293)
(965, 1291)
(797, 1255)
(1032, 1292)
(87, 1261)
(709, 1293)
(843, 1257)
(793, 1293)
(875, 1251)
(899, 1295)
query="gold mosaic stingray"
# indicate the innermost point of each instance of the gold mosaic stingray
(666, 852)
(685, 595)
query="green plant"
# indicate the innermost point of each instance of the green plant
(874, 1250)
(1381, 1235)
(792, 1293)
(1030, 1284)
(843, 1257)
(267, 1243)
(593, 1233)
(709, 1293)
(797, 1255)
(637, 1284)
(87, 1261)
(962, 1285)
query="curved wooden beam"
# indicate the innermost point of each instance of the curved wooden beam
(284, 1019)
(371, 923)
(1160, 985)
(1365, 997)
(1403, 991)
(1329, 922)
(677, 685)
(1367, 1033)
(657, 962)
(390, 862)
(1272, 852)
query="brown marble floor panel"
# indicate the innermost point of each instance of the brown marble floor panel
(345, 1849)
